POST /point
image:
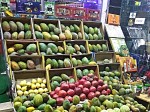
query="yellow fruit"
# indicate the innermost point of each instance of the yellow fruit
(30, 109)
(23, 83)
(29, 84)
(24, 88)
(34, 81)
(33, 86)
(36, 91)
(68, 35)
(26, 93)
(38, 85)
(39, 80)
(92, 63)
(43, 85)
(40, 90)
(31, 91)
(45, 90)
(20, 93)
(44, 81)
(15, 66)
(11, 50)
(18, 87)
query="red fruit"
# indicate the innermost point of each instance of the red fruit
(80, 86)
(82, 97)
(62, 93)
(104, 92)
(91, 95)
(108, 91)
(52, 93)
(57, 90)
(84, 77)
(86, 91)
(82, 81)
(72, 85)
(78, 91)
(55, 96)
(87, 84)
(99, 88)
(59, 101)
(70, 92)
(97, 93)
(91, 75)
(94, 83)
(64, 86)
(100, 82)
(92, 89)
(68, 98)
(95, 78)
(105, 86)
(76, 83)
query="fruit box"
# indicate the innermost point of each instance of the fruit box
(24, 28)
(56, 57)
(59, 43)
(78, 42)
(72, 22)
(94, 24)
(95, 68)
(11, 43)
(36, 59)
(102, 56)
(47, 21)
(80, 57)
(94, 42)
(28, 76)
(58, 72)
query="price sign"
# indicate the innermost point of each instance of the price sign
(139, 21)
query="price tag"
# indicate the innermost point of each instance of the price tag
(139, 21)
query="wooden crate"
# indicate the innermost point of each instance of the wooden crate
(78, 42)
(57, 57)
(72, 22)
(36, 59)
(59, 43)
(80, 57)
(94, 24)
(58, 72)
(95, 68)
(47, 21)
(28, 76)
(22, 20)
(101, 56)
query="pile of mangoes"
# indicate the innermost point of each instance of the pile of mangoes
(98, 47)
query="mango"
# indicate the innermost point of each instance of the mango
(21, 35)
(51, 27)
(91, 30)
(38, 35)
(7, 35)
(44, 27)
(20, 26)
(37, 27)
(13, 26)
(6, 26)
(76, 100)
(15, 35)
(80, 35)
(28, 35)
(11, 50)
(46, 35)
(57, 31)
(22, 65)
(67, 63)
(62, 36)
(76, 28)
(60, 49)
(54, 38)
(30, 64)
(15, 66)
(68, 35)
(26, 27)
(18, 46)
(74, 36)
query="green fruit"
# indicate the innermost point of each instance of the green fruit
(104, 47)
(95, 102)
(86, 107)
(22, 65)
(65, 77)
(74, 36)
(67, 63)
(76, 28)
(21, 51)
(90, 36)
(79, 73)
(71, 80)
(85, 61)
(48, 108)
(95, 49)
(63, 28)
(54, 63)
(51, 102)
(27, 104)
(43, 47)
(80, 35)
(85, 72)
(7, 35)
(96, 30)
(107, 69)
(100, 36)
(44, 27)
(18, 99)
(99, 47)
(67, 28)
(77, 47)
(117, 73)
(26, 27)
(90, 47)
(28, 35)
(95, 37)
(6, 26)
(66, 104)
(91, 30)
(57, 31)
(42, 106)
(61, 63)
(55, 38)
(45, 97)
(46, 35)
(54, 84)
(74, 62)
(22, 109)
(70, 50)
(53, 47)
(79, 62)
(102, 98)
(82, 49)
(31, 96)
(31, 48)
(49, 51)
(21, 35)
(14, 35)
(20, 26)
(86, 36)
(24, 98)
(38, 35)
(38, 100)
(57, 78)
(13, 26)
(76, 100)
(60, 49)
(37, 27)
(51, 27)
(72, 28)
(91, 71)
(122, 91)
(48, 61)
(86, 29)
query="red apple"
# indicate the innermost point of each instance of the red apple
(97, 93)
(55, 96)
(87, 84)
(104, 92)
(105, 86)
(100, 82)
(92, 89)
(84, 77)
(94, 83)
(72, 85)
(86, 91)
(57, 90)
(52, 93)
(91, 75)
(95, 78)
(59, 101)
(64, 86)
(82, 97)
(99, 88)
(68, 98)
(91, 95)
(62, 93)
(78, 91)
(70, 92)
(81, 82)
(80, 86)
(76, 83)
(108, 91)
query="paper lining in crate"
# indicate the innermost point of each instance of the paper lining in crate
(76, 47)
(58, 61)
(45, 29)
(98, 46)
(75, 28)
(51, 47)
(56, 76)
(17, 28)
(105, 57)
(30, 82)
(85, 70)
(25, 63)
(93, 30)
